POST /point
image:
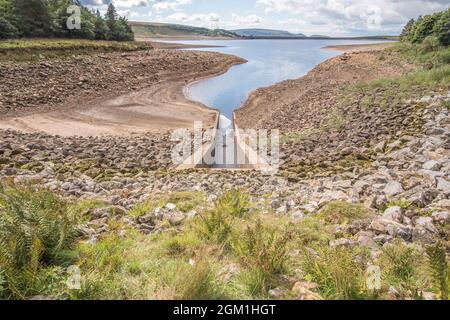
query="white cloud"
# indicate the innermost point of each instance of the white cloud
(354, 15)
(210, 20)
(250, 20)
(174, 5)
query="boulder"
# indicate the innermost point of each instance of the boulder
(304, 291)
(393, 188)
(171, 206)
(442, 217)
(394, 214)
(424, 230)
(348, 243)
(365, 239)
(432, 165)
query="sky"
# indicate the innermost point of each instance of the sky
(311, 17)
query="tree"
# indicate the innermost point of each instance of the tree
(8, 21)
(118, 28)
(48, 18)
(34, 17)
(442, 28)
(123, 31)
(111, 21)
(406, 32)
(100, 28)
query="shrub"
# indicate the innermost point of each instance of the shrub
(339, 272)
(312, 231)
(438, 269)
(265, 253)
(339, 212)
(235, 203)
(198, 282)
(36, 231)
(401, 264)
(216, 224)
(430, 44)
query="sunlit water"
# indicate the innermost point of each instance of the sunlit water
(269, 62)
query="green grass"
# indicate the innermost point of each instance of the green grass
(39, 49)
(268, 251)
(431, 73)
(403, 266)
(263, 250)
(339, 273)
(185, 202)
(341, 212)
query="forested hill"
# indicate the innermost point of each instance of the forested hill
(48, 18)
(166, 30)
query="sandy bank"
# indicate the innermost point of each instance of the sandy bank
(115, 94)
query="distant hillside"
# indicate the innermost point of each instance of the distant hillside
(164, 30)
(262, 33)
(319, 36)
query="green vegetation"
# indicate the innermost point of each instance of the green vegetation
(154, 30)
(340, 212)
(37, 239)
(24, 50)
(339, 272)
(431, 30)
(431, 73)
(185, 202)
(439, 270)
(228, 251)
(48, 18)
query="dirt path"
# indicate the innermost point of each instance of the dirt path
(148, 97)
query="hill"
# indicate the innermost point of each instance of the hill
(163, 30)
(262, 33)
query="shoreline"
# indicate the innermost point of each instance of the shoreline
(147, 108)
(359, 47)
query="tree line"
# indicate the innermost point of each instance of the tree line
(432, 28)
(48, 18)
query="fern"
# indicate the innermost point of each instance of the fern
(438, 269)
(36, 231)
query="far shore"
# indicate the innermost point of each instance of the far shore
(360, 47)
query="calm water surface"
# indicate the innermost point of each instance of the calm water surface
(269, 62)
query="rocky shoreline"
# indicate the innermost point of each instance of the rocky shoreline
(108, 94)
(412, 170)
(393, 162)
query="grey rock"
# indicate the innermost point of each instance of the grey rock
(177, 219)
(443, 185)
(393, 188)
(298, 215)
(383, 238)
(432, 165)
(348, 243)
(171, 206)
(427, 223)
(394, 214)
(365, 239)
(277, 293)
(442, 217)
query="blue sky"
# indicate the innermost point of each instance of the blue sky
(326, 17)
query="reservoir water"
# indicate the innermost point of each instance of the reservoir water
(269, 62)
